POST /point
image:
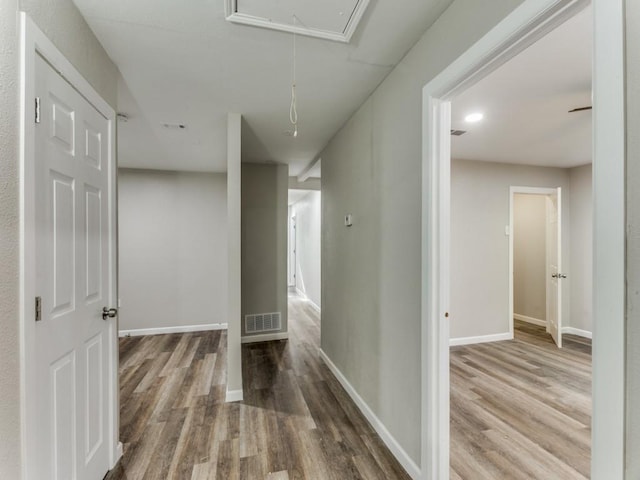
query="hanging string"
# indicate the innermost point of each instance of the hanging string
(293, 109)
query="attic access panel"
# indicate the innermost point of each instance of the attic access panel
(335, 20)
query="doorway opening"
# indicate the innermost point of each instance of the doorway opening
(536, 260)
(304, 224)
(526, 25)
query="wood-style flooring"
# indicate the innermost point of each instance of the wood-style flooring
(521, 409)
(296, 421)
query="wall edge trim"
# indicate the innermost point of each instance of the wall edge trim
(532, 320)
(266, 337)
(234, 396)
(392, 444)
(496, 337)
(178, 329)
(577, 331)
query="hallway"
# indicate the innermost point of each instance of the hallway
(296, 421)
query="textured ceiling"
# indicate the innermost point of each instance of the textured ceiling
(182, 62)
(526, 102)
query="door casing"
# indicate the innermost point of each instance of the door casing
(526, 24)
(33, 42)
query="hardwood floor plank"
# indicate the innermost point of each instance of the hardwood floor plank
(296, 421)
(521, 409)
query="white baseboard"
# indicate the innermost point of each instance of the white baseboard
(535, 321)
(164, 330)
(118, 454)
(498, 337)
(265, 337)
(234, 396)
(314, 306)
(577, 331)
(405, 460)
(303, 295)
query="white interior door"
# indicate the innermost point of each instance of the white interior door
(73, 282)
(554, 266)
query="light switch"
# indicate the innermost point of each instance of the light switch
(348, 220)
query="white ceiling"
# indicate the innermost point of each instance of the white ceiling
(296, 195)
(526, 102)
(330, 15)
(181, 62)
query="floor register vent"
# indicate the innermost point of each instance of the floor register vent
(262, 322)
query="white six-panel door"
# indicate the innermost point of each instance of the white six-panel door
(72, 255)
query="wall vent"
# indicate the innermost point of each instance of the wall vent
(262, 322)
(457, 133)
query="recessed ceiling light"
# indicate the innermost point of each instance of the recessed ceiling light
(474, 117)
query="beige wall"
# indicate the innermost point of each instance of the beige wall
(64, 25)
(633, 239)
(530, 256)
(264, 240)
(173, 249)
(581, 255)
(371, 271)
(480, 247)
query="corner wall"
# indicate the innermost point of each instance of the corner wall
(371, 275)
(264, 241)
(64, 25)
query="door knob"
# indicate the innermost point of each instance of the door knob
(554, 275)
(109, 312)
(562, 275)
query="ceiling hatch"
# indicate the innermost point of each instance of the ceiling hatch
(335, 20)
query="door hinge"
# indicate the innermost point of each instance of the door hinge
(37, 109)
(38, 309)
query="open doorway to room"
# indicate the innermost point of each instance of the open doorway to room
(304, 223)
(521, 154)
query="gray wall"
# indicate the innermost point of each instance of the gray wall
(308, 213)
(480, 248)
(371, 271)
(67, 29)
(581, 255)
(173, 248)
(530, 256)
(264, 240)
(633, 238)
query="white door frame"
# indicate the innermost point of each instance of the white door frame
(33, 42)
(526, 24)
(513, 191)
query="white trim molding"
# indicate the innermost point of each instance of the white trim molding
(577, 331)
(398, 452)
(265, 337)
(232, 15)
(138, 332)
(34, 42)
(496, 337)
(534, 321)
(526, 24)
(304, 297)
(234, 396)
